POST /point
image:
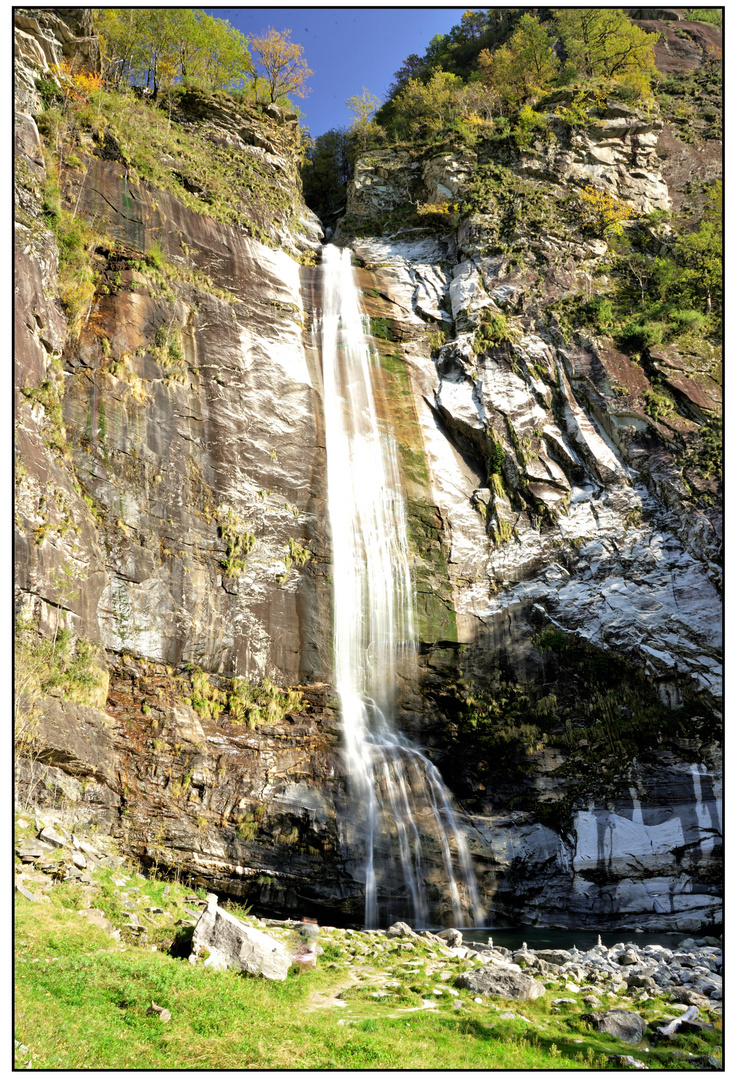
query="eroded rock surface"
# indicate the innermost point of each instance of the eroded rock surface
(170, 509)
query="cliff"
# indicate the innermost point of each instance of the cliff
(170, 500)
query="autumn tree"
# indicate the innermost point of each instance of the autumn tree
(602, 43)
(281, 67)
(522, 68)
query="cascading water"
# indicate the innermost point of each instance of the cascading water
(397, 791)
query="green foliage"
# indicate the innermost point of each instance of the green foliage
(240, 541)
(423, 110)
(383, 329)
(704, 454)
(492, 330)
(363, 107)
(524, 67)
(261, 703)
(700, 253)
(63, 666)
(325, 173)
(158, 47)
(603, 43)
(77, 242)
(49, 91)
(706, 15)
(527, 123)
(639, 335)
(299, 554)
(658, 403)
(496, 459)
(602, 213)
(49, 395)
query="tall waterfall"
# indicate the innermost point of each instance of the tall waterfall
(403, 808)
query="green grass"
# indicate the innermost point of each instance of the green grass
(82, 1000)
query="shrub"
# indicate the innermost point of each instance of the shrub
(601, 310)
(65, 667)
(601, 212)
(658, 404)
(493, 330)
(255, 703)
(49, 91)
(687, 320)
(527, 122)
(638, 336)
(207, 701)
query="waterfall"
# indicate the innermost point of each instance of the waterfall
(401, 803)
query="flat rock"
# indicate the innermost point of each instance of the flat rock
(51, 836)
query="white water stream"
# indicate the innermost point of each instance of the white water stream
(398, 793)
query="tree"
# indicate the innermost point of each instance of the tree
(602, 43)
(423, 109)
(363, 108)
(325, 174)
(522, 68)
(700, 253)
(119, 30)
(412, 68)
(474, 23)
(283, 68)
(161, 46)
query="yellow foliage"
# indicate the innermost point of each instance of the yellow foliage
(603, 212)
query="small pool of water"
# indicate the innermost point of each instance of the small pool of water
(512, 937)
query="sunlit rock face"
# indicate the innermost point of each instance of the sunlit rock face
(173, 480)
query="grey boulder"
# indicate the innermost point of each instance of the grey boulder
(621, 1023)
(230, 943)
(495, 981)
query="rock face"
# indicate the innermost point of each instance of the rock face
(170, 510)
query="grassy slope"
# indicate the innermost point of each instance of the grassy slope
(81, 1001)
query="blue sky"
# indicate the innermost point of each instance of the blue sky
(346, 48)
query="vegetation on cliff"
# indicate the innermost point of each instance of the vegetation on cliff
(165, 48)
